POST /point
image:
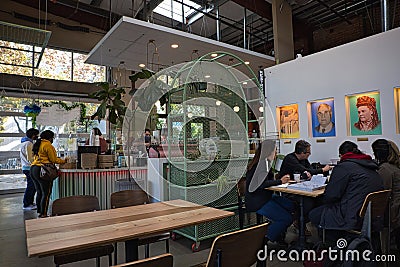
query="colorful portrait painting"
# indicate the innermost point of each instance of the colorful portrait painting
(288, 118)
(365, 114)
(323, 118)
(397, 108)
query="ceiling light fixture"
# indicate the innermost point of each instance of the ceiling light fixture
(261, 109)
(207, 76)
(142, 65)
(214, 55)
(247, 62)
(236, 108)
(244, 83)
(218, 103)
(174, 45)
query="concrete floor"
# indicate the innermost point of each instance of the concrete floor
(13, 251)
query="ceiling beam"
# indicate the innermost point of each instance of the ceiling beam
(264, 9)
(96, 3)
(75, 11)
(334, 11)
(260, 7)
(147, 8)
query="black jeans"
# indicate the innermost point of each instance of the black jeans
(43, 191)
(30, 190)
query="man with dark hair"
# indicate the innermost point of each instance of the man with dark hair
(297, 162)
(26, 156)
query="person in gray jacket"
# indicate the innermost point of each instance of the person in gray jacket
(388, 157)
(26, 156)
(351, 181)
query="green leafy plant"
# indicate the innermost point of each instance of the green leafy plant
(143, 74)
(156, 89)
(222, 183)
(82, 113)
(110, 98)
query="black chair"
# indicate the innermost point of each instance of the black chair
(128, 198)
(164, 260)
(78, 204)
(241, 192)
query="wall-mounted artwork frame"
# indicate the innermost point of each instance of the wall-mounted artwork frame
(321, 118)
(396, 92)
(363, 112)
(288, 121)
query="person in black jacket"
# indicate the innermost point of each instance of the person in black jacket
(351, 181)
(258, 199)
(297, 162)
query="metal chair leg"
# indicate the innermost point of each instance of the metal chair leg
(147, 251)
(110, 260)
(115, 253)
(98, 261)
(167, 246)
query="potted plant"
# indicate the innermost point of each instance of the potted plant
(111, 100)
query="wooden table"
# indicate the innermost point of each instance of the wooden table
(302, 194)
(53, 235)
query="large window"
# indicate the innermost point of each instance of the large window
(14, 123)
(55, 64)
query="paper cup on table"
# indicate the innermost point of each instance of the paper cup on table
(297, 177)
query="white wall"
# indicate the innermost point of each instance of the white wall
(370, 64)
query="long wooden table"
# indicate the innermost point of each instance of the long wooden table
(302, 194)
(54, 235)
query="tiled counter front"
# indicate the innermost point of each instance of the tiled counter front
(97, 182)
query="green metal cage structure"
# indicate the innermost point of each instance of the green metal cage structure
(215, 116)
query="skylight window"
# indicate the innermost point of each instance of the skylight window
(173, 9)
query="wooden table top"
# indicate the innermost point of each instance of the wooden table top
(315, 193)
(52, 235)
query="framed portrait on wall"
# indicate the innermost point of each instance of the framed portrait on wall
(321, 118)
(288, 121)
(397, 108)
(364, 114)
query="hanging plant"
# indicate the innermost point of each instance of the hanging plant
(157, 89)
(82, 113)
(111, 100)
(32, 111)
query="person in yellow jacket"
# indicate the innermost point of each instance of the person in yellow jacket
(43, 152)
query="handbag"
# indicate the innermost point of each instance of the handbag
(48, 172)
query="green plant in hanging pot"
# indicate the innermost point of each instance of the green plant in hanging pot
(111, 101)
(157, 89)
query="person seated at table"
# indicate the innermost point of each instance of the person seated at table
(351, 181)
(297, 162)
(388, 157)
(260, 176)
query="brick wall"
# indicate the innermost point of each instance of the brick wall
(363, 25)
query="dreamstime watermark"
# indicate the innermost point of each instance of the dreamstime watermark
(338, 253)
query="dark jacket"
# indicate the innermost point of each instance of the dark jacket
(390, 174)
(350, 182)
(255, 200)
(291, 164)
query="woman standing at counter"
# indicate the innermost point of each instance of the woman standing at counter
(43, 152)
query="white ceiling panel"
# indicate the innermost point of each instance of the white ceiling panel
(128, 40)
